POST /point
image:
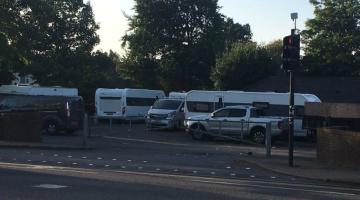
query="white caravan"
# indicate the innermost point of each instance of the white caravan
(199, 102)
(125, 103)
(177, 95)
(37, 90)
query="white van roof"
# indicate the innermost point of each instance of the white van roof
(37, 90)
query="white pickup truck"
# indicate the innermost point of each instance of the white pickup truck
(235, 122)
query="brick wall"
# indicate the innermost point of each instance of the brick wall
(338, 148)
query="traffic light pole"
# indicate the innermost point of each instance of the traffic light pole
(291, 104)
(291, 120)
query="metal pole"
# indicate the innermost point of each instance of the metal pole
(129, 125)
(85, 129)
(268, 140)
(291, 120)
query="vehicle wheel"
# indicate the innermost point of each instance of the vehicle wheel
(51, 127)
(198, 132)
(258, 135)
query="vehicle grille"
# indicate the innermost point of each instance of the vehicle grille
(158, 116)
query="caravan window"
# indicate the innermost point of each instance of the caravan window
(194, 106)
(136, 101)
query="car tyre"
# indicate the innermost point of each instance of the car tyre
(258, 135)
(198, 135)
(51, 127)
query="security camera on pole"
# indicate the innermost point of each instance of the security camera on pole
(290, 62)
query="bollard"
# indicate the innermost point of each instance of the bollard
(129, 129)
(268, 140)
(85, 129)
(242, 130)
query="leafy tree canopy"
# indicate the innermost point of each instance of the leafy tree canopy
(332, 38)
(177, 41)
(244, 64)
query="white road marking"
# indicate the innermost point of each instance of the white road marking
(252, 176)
(99, 158)
(55, 155)
(107, 165)
(114, 159)
(84, 157)
(212, 173)
(147, 141)
(145, 161)
(123, 167)
(176, 170)
(74, 163)
(50, 186)
(232, 174)
(91, 164)
(157, 169)
(248, 168)
(59, 162)
(29, 160)
(228, 167)
(69, 156)
(273, 177)
(44, 161)
(129, 160)
(195, 172)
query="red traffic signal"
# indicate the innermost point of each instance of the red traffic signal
(291, 52)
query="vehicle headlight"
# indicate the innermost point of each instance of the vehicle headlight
(171, 115)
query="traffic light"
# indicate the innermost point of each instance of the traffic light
(291, 52)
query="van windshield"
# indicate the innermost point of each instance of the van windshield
(167, 104)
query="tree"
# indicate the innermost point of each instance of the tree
(332, 38)
(274, 50)
(243, 64)
(45, 34)
(179, 38)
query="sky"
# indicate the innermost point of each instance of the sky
(269, 19)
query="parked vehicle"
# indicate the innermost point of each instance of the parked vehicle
(274, 104)
(166, 113)
(177, 95)
(125, 103)
(59, 113)
(234, 122)
(37, 90)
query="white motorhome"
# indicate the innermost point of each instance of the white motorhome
(37, 90)
(177, 95)
(199, 102)
(125, 103)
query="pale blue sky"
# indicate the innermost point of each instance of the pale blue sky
(268, 19)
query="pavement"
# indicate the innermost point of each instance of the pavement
(305, 163)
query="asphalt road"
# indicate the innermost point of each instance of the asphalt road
(137, 164)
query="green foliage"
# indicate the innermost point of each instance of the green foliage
(332, 38)
(274, 50)
(173, 43)
(243, 64)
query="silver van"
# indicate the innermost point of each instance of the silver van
(166, 114)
